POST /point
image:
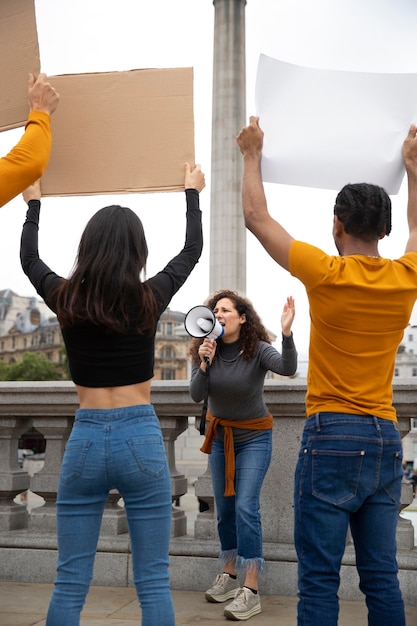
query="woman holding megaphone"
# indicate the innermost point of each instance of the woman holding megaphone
(239, 435)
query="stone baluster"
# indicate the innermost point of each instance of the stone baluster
(171, 400)
(13, 479)
(172, 427)
(56, 430)
(205, 526)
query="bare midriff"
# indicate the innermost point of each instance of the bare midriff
(114, 397)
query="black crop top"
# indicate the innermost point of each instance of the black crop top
(99, 358)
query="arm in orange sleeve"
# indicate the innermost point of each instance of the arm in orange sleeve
(27, 161)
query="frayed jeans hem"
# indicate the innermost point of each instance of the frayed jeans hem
(249, 565)
(242, 563)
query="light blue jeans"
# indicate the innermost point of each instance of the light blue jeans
(238, 517)
(118, 449)
(349, 472)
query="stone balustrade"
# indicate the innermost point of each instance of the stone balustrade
(28, 542)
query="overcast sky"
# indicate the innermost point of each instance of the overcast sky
(103, 35)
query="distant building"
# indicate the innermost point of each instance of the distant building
(31, 327)
(406, 361)
(172, 343)
(409, 340)
(405, 364)
(12, 305)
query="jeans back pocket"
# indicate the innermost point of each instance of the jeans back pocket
(336, 474)
(74, 460)
(149, 454)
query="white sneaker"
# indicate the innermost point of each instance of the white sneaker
(223, 588)
(245, 604)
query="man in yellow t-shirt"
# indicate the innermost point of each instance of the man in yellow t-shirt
(349, 469)
(27, 161)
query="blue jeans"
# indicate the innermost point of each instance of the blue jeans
(348, 473)
(118, 449)
(238, 517)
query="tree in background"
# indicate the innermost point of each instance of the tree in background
(31, 367)
(3, 369)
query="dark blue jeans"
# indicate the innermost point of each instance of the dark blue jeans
(238, 517)
(348, 473)
(118, 449)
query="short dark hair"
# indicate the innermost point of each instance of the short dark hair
(364, 210)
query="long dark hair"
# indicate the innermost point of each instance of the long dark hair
(364, 210)
(251, 332)
(105, 287)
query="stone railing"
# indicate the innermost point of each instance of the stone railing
(28, 542)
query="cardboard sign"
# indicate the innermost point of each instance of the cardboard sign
(121, 132)
(19, 56)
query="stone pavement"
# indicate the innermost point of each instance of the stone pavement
(25, 604)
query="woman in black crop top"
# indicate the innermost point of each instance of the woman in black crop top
(108, 317)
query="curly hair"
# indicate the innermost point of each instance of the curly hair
(364, 210)
(251, 332)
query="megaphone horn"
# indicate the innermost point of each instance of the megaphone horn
(200, 322)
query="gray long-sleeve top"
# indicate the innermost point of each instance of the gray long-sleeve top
(236, 385)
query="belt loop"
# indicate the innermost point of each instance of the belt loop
(317, 416)
(377, 426)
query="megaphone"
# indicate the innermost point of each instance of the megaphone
(200, 322)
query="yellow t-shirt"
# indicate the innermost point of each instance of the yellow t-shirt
(359, 308)
(27, 161)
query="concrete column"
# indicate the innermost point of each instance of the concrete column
(227, 230)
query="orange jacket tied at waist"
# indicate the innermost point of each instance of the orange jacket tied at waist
(259, 423)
